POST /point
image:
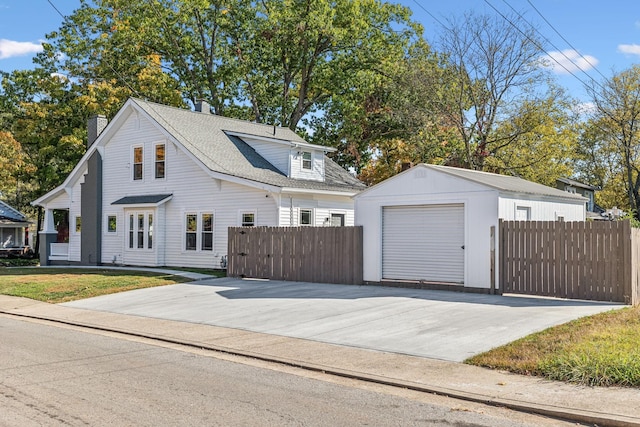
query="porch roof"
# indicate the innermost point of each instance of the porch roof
(144, 199)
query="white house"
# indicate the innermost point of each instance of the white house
(13, 229)
(434, 223)
(159, 186)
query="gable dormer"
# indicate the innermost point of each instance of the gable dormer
(306, 163)
(297, 160)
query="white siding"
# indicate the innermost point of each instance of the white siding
(276, 154)
(193, 191)
(483, 206)
(541, 210)
(316, 173)
(322, 206)
(422, 186)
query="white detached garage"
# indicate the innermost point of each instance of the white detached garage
(433, 224)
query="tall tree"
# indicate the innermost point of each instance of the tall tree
(616, 116)
(540, 141)
(497, 70)
(274, 61)
(394, 120)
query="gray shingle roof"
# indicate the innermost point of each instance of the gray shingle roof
(203, 134)
(10, 214)
(505, 183)
(142, 200)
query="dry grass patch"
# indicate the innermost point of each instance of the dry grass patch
(603, 349)
(62, 285)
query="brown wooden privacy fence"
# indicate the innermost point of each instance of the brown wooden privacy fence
(595, 260)
(306, 254)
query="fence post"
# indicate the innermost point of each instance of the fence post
(493, 259)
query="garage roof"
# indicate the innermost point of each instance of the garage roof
(505, 183)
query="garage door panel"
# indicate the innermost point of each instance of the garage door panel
(423, 243)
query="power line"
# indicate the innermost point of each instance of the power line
(75, 29)
(554, 46)
(538, 44)
(564, 39)
(430, 14)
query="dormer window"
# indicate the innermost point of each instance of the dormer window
(306, 160)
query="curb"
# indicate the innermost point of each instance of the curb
(568, 414)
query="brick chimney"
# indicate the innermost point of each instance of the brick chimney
(95, 126)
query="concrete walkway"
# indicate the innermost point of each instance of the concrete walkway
(442, 325)
(601, 406)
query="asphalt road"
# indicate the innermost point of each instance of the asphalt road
(53, 375)
(435, 324)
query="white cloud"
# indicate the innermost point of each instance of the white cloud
(10, 48)
(569, 61)
(629, 49)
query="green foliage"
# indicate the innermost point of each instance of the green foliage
(611, 139)
(599, 350)
(62, 285)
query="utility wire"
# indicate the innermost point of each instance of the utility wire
(430, 14)
(537, 44)
(560, 51)
(565, 40)
(75, 29)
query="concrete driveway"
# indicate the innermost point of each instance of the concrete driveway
(435, 324)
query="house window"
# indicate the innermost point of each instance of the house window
(337, 220)
(131, 231)
(207, 232)
(78, 224)
(160, 161)
(140, 230)
(150, 231)
(191, 232)
(305, 216)
(523, 213)
(306, 160)
(248, 219)
(112, 224)
(137, 163)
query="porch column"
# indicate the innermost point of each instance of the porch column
(48, 235)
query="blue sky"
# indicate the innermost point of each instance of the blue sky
(607, 33)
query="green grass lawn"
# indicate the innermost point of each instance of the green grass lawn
(602, 350)
(61, 285)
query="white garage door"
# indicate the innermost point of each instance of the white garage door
(423, 243)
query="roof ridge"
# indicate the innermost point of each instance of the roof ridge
(185, 110)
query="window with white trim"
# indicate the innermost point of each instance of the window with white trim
(137, 163)
(206, 234)
(337, 219)
(199, 231)
(248, 219)
(112, 224)
(523, 213)
(191, 232)
(140, 230)
(306, 217)
(306, 160)
(160, 161)
(78, 224)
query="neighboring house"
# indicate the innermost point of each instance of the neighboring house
(434, 223)
(159, 186)
(13, 230)
(585, 190)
